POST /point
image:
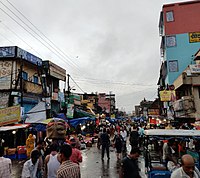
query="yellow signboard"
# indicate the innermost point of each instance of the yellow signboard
(194, 37)
(167, 95)
(9, 115)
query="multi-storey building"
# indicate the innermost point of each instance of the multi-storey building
(187, 87)
(26, 80)
(180, 33)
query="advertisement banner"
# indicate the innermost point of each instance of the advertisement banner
(70, 111)
(167, 95)
(10, 115)
(194, 37)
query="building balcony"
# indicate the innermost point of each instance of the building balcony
(30, 87)
(184, 107)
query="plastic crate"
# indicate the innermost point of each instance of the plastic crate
(22, 156)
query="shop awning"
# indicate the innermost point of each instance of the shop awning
(14, 127)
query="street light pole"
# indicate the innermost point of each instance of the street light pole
(21, 81)
(68, 88)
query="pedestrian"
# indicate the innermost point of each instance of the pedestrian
(30, 168)
(30, 144)
(67, 169)
(52, 162)
(134, 136)
(118, 144)
(76, 156)
(123, 133)
(105, 142)
(40, 148)
(129, 165)
(5, 165)
(188, 169)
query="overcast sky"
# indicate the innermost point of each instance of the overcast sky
(105, 45)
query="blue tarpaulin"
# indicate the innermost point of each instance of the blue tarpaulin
(82, 120)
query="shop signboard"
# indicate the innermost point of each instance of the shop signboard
(194, 37)
(10, 115)
(153, 112)
(8, 51)
(29, 57)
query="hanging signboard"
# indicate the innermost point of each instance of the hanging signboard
(167, 95)
(9, 115)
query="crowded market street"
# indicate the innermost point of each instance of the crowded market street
(92, 165)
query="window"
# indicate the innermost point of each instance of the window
(173, 66)
(171, 41)
(35, 79)
(25, 75)
(170, 16)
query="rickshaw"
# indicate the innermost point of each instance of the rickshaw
(153, 154)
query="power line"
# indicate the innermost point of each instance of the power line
(5, 26)
(77, 84)
(39, 30)
(98, 81)
(48, 47)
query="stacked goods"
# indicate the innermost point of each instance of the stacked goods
(56, 129)
(11, 151)
(21, 149)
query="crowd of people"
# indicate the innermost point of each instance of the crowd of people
(57, 159)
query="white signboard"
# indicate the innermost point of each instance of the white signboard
(195, 68)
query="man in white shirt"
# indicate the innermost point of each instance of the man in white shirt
(5, 165)
(123, 133)
(188, 169)
(30, 166)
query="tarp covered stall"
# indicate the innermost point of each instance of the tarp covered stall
(75, 122)
(37, 114)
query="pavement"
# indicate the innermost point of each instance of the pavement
(92, 165)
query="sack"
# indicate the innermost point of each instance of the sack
(56, 129)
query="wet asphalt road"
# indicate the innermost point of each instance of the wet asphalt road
(92, 165)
